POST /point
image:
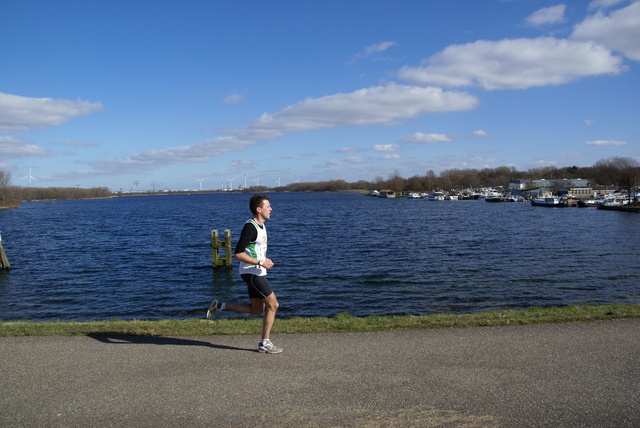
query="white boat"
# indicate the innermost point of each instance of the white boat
(436, 195)
(468, 194)
(485, 193)
(549, 202)
(511, 198)
(614, 200)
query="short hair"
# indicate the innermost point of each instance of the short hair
(256, 202)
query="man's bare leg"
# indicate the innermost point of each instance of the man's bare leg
(271, 305)
(255, 308)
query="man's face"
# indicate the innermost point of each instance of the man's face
(265, 210)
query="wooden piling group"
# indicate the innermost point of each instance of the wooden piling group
(4, 261)
(217, 260)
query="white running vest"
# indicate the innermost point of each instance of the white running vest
(257, 250)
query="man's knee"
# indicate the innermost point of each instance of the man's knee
(271, 304)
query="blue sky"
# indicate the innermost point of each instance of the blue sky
(167, 93)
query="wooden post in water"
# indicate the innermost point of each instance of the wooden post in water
(4, 261)
(216, 259)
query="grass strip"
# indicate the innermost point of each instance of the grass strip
(341, 323)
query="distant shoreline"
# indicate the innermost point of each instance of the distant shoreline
(174, 193)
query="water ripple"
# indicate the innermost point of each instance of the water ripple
(150, 257)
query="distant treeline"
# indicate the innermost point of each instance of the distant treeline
(619, 172)
(10, 196)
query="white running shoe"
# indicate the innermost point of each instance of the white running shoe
(269, 348)
(213, 308)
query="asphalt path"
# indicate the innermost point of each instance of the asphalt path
(557, 375)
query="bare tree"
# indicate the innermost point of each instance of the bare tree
(621, 172)
(430, 180)
(611, 171)
(5, 179)
(396, 182)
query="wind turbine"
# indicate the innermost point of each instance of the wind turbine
(230, 180)
(256, 180)
(200, 180)
(30, 177)
(278, 181)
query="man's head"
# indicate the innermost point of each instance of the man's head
(257, 201)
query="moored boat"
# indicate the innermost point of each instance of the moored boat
(549, 202)
(436, 195)
(585, 203)
(415, 195)
(614, 200)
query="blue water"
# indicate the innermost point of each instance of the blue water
(150, 257)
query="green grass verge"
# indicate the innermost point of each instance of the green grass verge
(339, 324)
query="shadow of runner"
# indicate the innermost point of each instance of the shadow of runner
(123, 339)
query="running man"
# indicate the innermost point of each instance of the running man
(251, 250)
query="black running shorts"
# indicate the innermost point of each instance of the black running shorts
(257, 286)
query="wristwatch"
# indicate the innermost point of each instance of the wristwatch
(260, 263)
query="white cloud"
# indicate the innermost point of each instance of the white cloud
(25, 114)
(548, 15)
(77, 144)
(620, 30)
(421, 138)
(480, 133)
(606, 143)
(372, 50)
(514, 64)
(545, 162)
(604, 4)
(460, 161)
(349, 150)
(375, 106)
(151, 159)
(385, 148)
(242, 165)
(352, 160)
(14, 147)
(234, 99)
(571, 155)
(391, 156)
